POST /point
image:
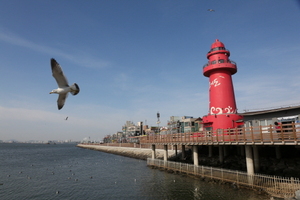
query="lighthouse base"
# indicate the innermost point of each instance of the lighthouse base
(222, 121)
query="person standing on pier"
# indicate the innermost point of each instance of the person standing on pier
(278, 129)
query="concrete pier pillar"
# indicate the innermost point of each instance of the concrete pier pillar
(153, 151)
(195, 155)
(165, 152)
(175, 148)
(210, 151)
(256, 159)
(278, 152)
(183, 151)
(221, 154)
(249, 160)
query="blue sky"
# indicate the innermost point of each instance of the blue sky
(134, 58)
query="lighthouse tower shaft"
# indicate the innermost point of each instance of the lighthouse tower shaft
(222, 106)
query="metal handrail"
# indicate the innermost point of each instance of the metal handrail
(228, 61)
(277, 186)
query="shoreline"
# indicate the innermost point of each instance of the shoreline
(138, 153)
(269, 163)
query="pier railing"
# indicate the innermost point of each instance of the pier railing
(286, 134)
(276, 186)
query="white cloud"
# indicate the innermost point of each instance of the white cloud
(27, 114)
(79, 57)
(26, 124)
(265, 91)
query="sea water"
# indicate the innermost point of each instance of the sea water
(64, 171)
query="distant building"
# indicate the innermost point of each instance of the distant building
(184, 124)
(120, 137)
(174, 125)
(130, 129)
(189, 124)
(107, 139)
(151, 130)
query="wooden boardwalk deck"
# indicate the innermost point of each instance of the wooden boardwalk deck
(288, 134)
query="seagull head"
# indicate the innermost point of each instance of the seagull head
(53, 91)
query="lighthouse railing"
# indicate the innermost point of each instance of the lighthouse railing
(219, 61)
(286, 134)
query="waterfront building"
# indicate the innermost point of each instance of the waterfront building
(198, 124)
(184, 124)
(120, 137)
(174, 125)
(150, 130)
(130, 129)
(266, 118)
(106, 139)
(191, 124)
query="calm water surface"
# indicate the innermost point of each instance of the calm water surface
(64, 171)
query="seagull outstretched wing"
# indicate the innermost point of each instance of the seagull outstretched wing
(58, 74)
(61, 100)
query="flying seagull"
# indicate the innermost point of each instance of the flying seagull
(211, 10)
(66, 118)
(63, 86)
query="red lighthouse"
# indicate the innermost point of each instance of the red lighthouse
(222, 107)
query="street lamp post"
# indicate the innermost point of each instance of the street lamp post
(158, 121)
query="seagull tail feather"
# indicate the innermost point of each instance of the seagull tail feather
(75, 89)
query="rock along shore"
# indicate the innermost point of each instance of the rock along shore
(139, 153)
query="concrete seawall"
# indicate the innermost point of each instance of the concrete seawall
(139, 153)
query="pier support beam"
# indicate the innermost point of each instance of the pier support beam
(165, 152)
(195, 155)
(249, 160)
(175, 148)
(210, 151)
(153, 151)
(221, 154)
(183, 151)
(256, 159)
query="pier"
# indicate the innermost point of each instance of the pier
(246, 139)
(158, 155)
